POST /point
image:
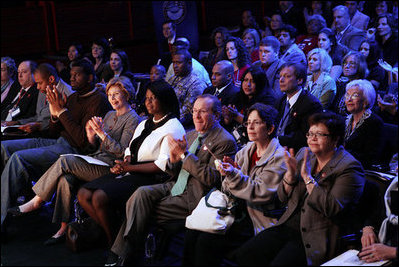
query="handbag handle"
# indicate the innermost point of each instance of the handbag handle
(225, 209)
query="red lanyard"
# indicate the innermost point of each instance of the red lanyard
(20, 97)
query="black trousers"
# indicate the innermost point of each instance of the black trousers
(206, 249)
(275, 246)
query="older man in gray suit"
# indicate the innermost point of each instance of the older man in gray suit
(196, 174)
(345, 33)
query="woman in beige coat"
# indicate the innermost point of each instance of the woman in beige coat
(321, 188)
(253, 178)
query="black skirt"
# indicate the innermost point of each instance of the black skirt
(120, 189)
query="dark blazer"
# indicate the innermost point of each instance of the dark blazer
(366, 141)
(228, 96)
(15, 87)
(327, 213)
(297, 125)
(203, 173)
(27, 104)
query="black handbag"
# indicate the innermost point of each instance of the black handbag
(84, 234)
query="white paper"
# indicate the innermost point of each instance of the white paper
(3, 128)
(350, 258)
(88, 159)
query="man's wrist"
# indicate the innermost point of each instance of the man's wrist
(183, 155)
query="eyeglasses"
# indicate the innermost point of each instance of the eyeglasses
(353, 96)
(317, 135)
(256, 123)
(199, 111)
(151, 99)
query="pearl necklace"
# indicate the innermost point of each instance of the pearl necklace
(161, 119)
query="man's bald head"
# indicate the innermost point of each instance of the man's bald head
(222, 73)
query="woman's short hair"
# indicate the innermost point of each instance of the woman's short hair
(334, 123)
(254, 33)
(124, 84)
(242, 52)
(105, 45)
(367, 89)
(11, 67)
(325, 59)
(166, 96)
(319, 18)
(268, 114)
(362, 70)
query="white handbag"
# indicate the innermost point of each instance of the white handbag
(213, 213)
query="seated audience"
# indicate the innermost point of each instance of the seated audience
(385, 245)
(292, 15)
(194, 174)
(254, 178)
(248, 21)
(371, 51)
(45, 76)
(387, 38)
(186, 83)
(321, 188)
(144, 162)
(23, 104)
(289, 50)
(237, 53)
(363, 134)
(345, 33)
(269, 48)
(354, 68)
(254, 89)
(379, 8)
(294, 107)
(25, 160)
(114, 132)
(9, 79)
(251, 40)
(319, 83)
(337, 51)
(308, 41)
(218, 37)
(75, 52)
(322, 8)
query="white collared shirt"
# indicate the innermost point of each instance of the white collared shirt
(219, 91)
(294, 98)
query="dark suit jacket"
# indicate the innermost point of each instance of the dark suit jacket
(327, 213)
(366, 141)
(15, 87)
(203, 173)
(228, 96)
(297, 125)
(27, 104)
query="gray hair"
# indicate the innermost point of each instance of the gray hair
(318, 17)
(367, 89)
(11, 66)
(343, 9)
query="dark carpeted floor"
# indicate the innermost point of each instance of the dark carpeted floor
(23, 246)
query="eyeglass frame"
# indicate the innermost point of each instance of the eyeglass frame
(317, 135)
(353, 96)
(201, 112)
(256, 123)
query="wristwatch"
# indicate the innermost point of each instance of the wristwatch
(310, 181)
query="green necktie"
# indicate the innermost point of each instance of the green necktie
(181, 182)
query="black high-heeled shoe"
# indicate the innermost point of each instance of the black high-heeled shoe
(15, 211)
(55, 240)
